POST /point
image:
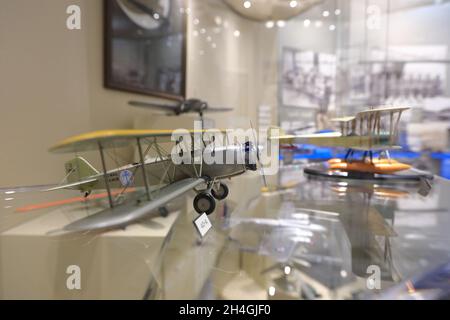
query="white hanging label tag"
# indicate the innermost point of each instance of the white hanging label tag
(203, 225)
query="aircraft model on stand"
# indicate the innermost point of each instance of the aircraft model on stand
(367, 132)
(162, 178)
(183, 107)
(186, 106)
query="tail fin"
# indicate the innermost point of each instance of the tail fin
(79, 169)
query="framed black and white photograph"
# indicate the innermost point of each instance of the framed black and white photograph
(145, 47)
(307, 79)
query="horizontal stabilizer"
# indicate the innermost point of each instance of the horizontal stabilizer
(25, 189)
(343, 119)
(309, 136)
(74, 185)
(130, 212)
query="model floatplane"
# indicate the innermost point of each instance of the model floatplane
(367, 132)
(162, 179)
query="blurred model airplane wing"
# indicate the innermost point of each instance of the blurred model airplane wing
(125, 214)
(115, 139)
(218, 109)
(186, 106)
(62, 202)
(336, 139)
(170, 109)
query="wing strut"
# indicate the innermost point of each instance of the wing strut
(105, 175)
(144, 174)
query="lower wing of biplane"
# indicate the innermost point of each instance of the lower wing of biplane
(337, 140)
(127, 213)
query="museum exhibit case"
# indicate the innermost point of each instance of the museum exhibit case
(224, 150)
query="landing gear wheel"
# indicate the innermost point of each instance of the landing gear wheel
(220, 193)
(204, 203)
(163, 212)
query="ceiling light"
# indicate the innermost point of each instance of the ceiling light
(237, 33)
(326, 13)
(10, 192)
(287, 270)
(318, 24)
(281, 23)
(271, 291)
(263, 10)
(196, 21)
(332, 27)
(337, 12)
(218, 20)
(270, 24)
(307, 23)
(156, 16)
(202, 30)
(195, 33)
(247, 4)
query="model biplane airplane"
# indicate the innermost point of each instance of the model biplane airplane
(187, 106)
(162, 179)
(367, 132)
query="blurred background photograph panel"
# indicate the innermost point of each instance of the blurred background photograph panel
(146, 47)
(225, 149)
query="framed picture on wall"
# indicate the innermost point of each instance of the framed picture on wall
(145, 47)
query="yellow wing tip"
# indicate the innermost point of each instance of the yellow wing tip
(103, 134)
(99, 135)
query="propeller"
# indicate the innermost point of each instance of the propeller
(258, 157)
